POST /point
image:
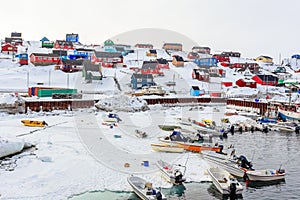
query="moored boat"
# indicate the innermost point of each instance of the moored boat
(35, 123)
(266, 175)
(289, 111)
(171, 173)
(234, 165)
(224, 181)
(188, 144)
(284, 126)
(167, 147)
(144, 189)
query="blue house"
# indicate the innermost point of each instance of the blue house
(72, 37)
(78, 55)
(207, 62)
(140, 80)
(194, 91)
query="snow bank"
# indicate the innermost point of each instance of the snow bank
(8, 98)
(122, 103)
(10, 146)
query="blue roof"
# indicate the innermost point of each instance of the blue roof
(44, 39)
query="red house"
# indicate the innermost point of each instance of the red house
(200, 75)
(162, 63)
(221, 58)
(263, 79)
(8, 48)
(62, 44)
(246, 83)
(43, 59)
(151, 67)
(107, 59)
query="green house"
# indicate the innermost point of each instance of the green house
(91, 71)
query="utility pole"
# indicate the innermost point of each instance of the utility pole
(49, 77)
(67, 80)
(27, 79)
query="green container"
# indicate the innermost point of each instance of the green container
(49, 92)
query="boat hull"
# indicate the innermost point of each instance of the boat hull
(227, 165)
(286, 114)
(138, 185)
(223, 180)
(168, 172)
(265, 175)
(167, 148)
(34, 123)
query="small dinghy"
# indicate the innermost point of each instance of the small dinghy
(35, 123)
(140, 133)
(225, 182)
(144, 189)
(266, 175)
(171, 173)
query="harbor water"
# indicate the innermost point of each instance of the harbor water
(265, 150)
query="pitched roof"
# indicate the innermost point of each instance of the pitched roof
(103, 54)
(143, 76)
(64, 42)
(198, 47)
(15, 34)
(175, 44)
(178, 58)
(162, 61)
(152, 51)
(265, 57)
(60, 52)
(195, 88)
(71, 35)
(45, 54)
(90, 67)
(149, 65)
(267, 77)
(72, 62)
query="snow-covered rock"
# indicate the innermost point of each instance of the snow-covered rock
(10, 146)
(122, 103)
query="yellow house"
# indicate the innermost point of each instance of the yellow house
(178, 61)
(151, 52)
(264, 59)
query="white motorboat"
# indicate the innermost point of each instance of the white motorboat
(266, 175)
(144, 189)
(236, 166)
(224, 181)
(172, 173)
(284, 126)
(228, 165)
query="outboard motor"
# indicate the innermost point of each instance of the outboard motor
(178, 176)
(158, 195)
(232, 189)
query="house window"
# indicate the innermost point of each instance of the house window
(149, 80)
(139, 85)
(138, 80)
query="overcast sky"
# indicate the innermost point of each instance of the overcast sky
(252, 27)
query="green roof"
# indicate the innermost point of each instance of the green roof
(108, 43)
